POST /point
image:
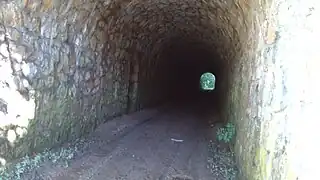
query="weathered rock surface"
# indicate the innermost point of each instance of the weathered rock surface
(66, 66)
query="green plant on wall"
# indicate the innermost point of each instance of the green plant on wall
(226, 133)
(207, 81)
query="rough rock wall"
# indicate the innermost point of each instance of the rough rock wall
(66, 67)
(276, 109)
(77, 62)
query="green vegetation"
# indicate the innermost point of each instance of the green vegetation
(28, 163)
(207, 81)
(221, 161)
(226, 133)
(58, 157)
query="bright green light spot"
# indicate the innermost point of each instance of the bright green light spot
(207, 81)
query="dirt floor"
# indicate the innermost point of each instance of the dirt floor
(154, 144)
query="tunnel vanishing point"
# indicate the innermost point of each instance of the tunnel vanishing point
(68, 66)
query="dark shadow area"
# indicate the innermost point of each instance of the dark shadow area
(183, 62)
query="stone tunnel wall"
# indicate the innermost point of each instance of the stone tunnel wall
(66, 66)
(60, 59)
(76, 63)
(276, 109)
(159, 24)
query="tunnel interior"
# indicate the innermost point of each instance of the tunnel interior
(108, 59)
(184, 61)
(171, 44)
(67, 67)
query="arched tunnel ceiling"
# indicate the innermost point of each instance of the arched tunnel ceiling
(147, 25)
(146, 32)
(83, 62)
